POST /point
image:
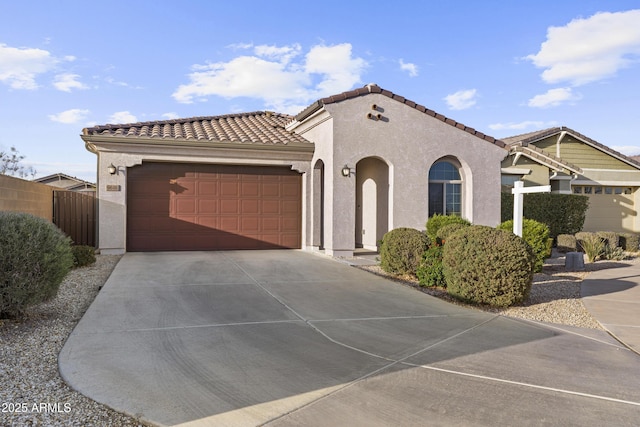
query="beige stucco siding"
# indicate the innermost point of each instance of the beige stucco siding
(408, 142)
(611, 212)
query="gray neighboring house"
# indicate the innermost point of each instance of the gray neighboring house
(68, 183)
(335, 177)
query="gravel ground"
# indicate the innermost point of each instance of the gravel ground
(554, 297)
(31, 390)
(33, 394)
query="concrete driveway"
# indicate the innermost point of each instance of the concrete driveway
(289, 338)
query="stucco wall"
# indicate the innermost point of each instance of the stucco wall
(19, 195)
(408, 142)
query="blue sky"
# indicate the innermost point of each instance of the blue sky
(501, 67)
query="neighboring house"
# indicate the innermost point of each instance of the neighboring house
(69, 183)
(576, 164)
(337, 176)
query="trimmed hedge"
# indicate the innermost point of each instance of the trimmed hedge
(436, 222)
(630, 242)
(536, 234)
(430, 271)
(35, 257)
(485, 265)
(401, 250)
(445, 231)
(563, 213)
(567, 243)
(83, 255)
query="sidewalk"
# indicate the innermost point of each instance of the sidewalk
(612, 296)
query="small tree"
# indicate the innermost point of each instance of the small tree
(10, 164)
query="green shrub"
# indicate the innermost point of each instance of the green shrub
(485, 265)
(536, 235)
(429, 271)
(567, 243)
(630, 242)
(615, 254)
(83, 255)
(446, 230)
(563, 213)
(36, 256)
(592, 245)
(610, 238)
(401, 250)
(580, 236)
(438, 221)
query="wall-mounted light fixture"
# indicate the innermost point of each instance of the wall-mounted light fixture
(112, 169)
(346, 171)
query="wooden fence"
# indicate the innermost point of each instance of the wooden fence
(75, 214)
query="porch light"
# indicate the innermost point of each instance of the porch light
(346, 171)
(112, 169)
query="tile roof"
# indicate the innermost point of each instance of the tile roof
(260, 127)
(526, 138)
(374, 88)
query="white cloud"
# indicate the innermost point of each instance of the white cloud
(553, 98)
(462, 99)
(171, 116)
(279, 76)
(521, 125)
(69, 116)
(122, 117)
(19, 67)
(411, 68)
(66, 82)
(591, 49)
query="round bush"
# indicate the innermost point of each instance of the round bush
(401, 250)
(36, 256)
(436, 222)
(429, 271)
(536, 234)
(83, 255)
(446, 230)
(485, 265)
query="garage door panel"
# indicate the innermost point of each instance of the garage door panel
(211, 207)
(208, 206)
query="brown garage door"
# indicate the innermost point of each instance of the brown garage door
(212, 207)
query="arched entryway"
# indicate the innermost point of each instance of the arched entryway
(372, 202)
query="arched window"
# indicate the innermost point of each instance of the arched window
(445, 186)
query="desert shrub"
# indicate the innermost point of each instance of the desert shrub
(563, 213)
(36, 256)
(446, 230)
(610, 238)
(429, 271)
(485, 265)
(536, 234)
(630, 242)
(401, 250)
(438, 221)
(592, 245)
(83, 255)
(567, 243)
(614, 254)
(580, 236)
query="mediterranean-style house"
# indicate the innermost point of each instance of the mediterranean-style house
(335, 177)
(573, 163)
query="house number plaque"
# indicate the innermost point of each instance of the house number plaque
(113, 188)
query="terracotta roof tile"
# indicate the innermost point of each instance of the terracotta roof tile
(258, 127)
